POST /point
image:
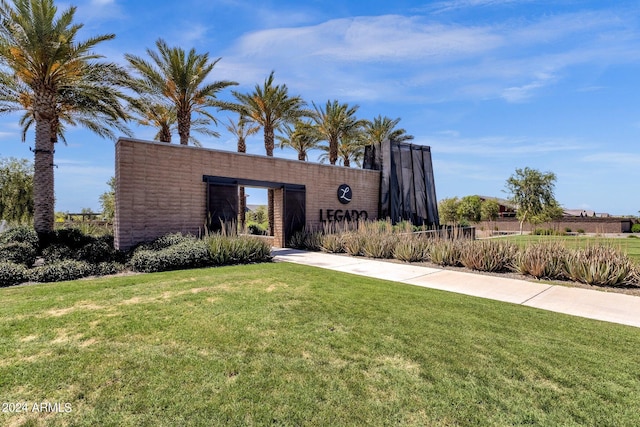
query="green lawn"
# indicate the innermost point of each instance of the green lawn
(282, 344)
(630, 246)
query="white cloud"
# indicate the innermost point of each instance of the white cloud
(622, 160)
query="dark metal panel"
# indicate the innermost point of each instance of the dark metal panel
(294, 211)
(222, 206)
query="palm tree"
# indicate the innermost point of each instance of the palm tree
(163, 117)
(350, 149)
(303, 137)
(270, 107)
(382, 128)
(178, 77)
(335, 121)
(242, 129)
(59, 81)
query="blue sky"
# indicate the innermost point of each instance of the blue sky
(490, 85)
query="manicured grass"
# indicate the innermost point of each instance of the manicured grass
(630, 246)
(282, 344)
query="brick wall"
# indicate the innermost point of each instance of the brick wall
(159, 187)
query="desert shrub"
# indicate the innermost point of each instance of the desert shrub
(332, 243)
(56, 253)
(633, 278)
(62, 270)
(567, 230)
(237, 250)
(487, 255)
(635, 228)
(23, 234)
(411, 249)
(546, 232)
(598, 265)
(580, 231)
(12, 274)
(446, 252)
(297, 240)
(353, 243)
(19, 253)
(190, 253)
(379, 245)
(543, 260)
(313, 241)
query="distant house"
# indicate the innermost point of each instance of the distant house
(584, 213)
(507, 209)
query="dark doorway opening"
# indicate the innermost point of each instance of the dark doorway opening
(222, 205)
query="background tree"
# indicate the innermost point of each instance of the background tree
(334, 122)
(108, 201)
(241, 130)
(489, 210)
(532, 192)
(60, 80)
(179, 78)
(469, 209)
(16, 191)
(448, 210)
(269, 106)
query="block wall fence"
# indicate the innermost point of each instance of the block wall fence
(160, 188)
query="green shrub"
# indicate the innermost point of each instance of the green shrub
(598, 265)
(580, 231)
(546, 232)
(72, 238)
(256, 229)
(12, 274)
(56, 253)
(332, 243)
(635, 228)
(107, 268)
(190, 253)
(567, 230)
(96, 252)
(446, 252)
(412, 249)
(18, 253)
(169, 240)
(22, 234)
(543, 260)
(61, 270)
(487, 255)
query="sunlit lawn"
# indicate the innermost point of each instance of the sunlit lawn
(282, 344)
(630, 246)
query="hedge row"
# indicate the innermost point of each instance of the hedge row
(73, 254)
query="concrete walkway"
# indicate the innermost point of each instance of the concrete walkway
(607, 306)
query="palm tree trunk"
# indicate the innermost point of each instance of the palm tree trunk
(333, 151)
(184, 126)
(165, 134)
(242, 148)
(242, 208)
(346, 162)
(302, 156)
(43, 190)
(269, 143)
